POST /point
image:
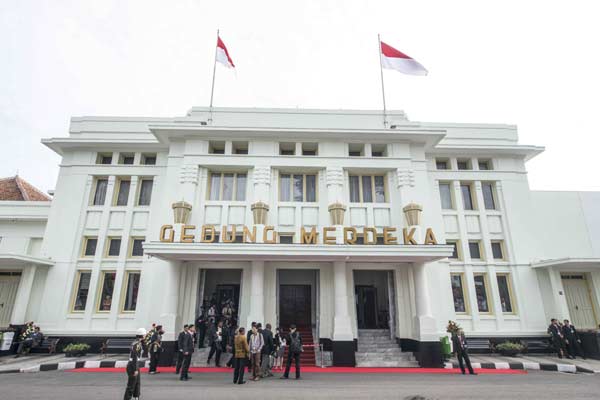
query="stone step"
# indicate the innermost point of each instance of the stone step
(382, 358)
(380, 351)
(388, 364)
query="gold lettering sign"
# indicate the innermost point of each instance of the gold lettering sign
(326, 238)
(408, 236)
(208, 234)
(353, 235)
(266, 235)
(310, 238)
(163, 230)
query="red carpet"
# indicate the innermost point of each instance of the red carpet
(329, 370)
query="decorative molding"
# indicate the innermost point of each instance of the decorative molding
(406, 177)
(335, 176)
(189, 174)
(262, 175)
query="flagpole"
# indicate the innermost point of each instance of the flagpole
(212, 89)
(382, 86)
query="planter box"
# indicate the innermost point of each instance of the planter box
(75, 353)
(509, 353)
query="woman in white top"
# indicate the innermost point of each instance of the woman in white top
(280, 344)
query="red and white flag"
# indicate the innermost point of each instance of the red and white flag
(395, 59)
(223, 54)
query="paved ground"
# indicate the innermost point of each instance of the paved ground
(91, 386)
(593, 365)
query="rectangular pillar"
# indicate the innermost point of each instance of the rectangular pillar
(257, 299)
(430, 348)
(343, 340)
(23, 294)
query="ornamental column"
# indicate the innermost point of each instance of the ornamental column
(23, 295)
(168, 273)
(430, 350)
(257, 299)
(335, 197)
(343, 339)
(260, 206)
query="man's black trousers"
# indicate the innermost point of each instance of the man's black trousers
(467, 360)
(296, 358)
(239, 365)
(179, 361)
(215, 348)
(133, 382)
(154, 361)
(187, 359)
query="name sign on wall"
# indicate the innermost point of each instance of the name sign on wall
(208, 234)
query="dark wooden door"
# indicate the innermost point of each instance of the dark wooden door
(366, 307)
(294, 305)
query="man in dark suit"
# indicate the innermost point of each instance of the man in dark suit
(187, 348)
(180, 338)
(572, 340)
(32, 340)
(265, 362)
(558, 338)
(459, 346)
(295, 349)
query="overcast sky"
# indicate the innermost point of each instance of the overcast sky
(531, 63)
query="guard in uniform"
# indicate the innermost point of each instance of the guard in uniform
(180, 355)
(132, 392)
(155, 348)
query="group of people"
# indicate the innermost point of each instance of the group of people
(565, 339)
(30, 338)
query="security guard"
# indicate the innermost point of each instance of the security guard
(132, 392)
(155, 348)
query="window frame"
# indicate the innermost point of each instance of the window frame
(221, 184)
(356, 148)
(108, 243)
(485, 161)
(132, 239)
(76, 283)
(146, 156)
(511, 293)
(493, 193)
(469, 166)
(310, 147)
(379, 148)
(95, 189)
(456, 243)
(117, 191)
(373, 192)
(465, 292)
(123, 156)
(124, 289)
(486, 287)
(217, 147)
(471, 195)
(502, 250)
(139, 191)
(100, 157)
(287, 148)
(481, 255)
(451, 191)
(304, 192)
(446, 162)
(84, 247)
(101, 280)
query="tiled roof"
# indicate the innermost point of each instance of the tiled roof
(16, 189)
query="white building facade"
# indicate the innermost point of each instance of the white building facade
(301, 216)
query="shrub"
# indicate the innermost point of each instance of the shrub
(508, 346)
(76, 348)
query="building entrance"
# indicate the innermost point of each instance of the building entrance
(9, 284)
(374, 299)
(220, 289)
(579, 302)
(295, 305)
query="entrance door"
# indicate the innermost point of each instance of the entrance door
(366, 307)
(9, 284)
(294, 305)
(578, 300)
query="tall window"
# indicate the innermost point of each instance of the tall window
(82, 288)
(297, 187)
(481, 291)
(505, 290)
(131, 291)
(108, 286)
(100, 192)
(455, 254)
(367, 189)
(446, 196)
(488, 195)
(465, 189)
(123, 192)
(137, 247)
(497, 250)
(227, 186)
(89, 246)
(145, 192)
(114, 247)
(475, 250)
(458, 292)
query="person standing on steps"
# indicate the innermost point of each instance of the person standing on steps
(295, 348)
(241, 353)
(179, 348)
(187, 348)
(459, 346)
(132, 391)
(216, 344)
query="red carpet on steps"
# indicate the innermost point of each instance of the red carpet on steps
(328, 370)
